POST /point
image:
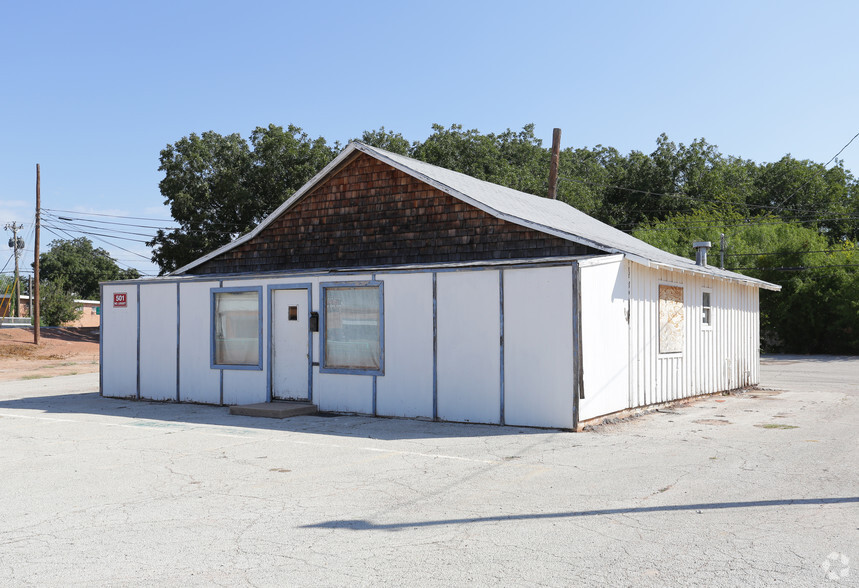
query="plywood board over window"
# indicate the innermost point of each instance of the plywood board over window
(671, 327)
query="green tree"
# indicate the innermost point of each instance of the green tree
(387, 140)
(57, 304)
(78, 267)
(513, 159)
(775, 215)
(817, 310)
(219, 187)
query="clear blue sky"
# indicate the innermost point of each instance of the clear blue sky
(94, 90)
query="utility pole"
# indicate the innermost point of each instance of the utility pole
(34, 296)
(722, 246)
(553, 169)
(17, 245)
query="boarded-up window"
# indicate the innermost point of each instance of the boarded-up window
(671, 326)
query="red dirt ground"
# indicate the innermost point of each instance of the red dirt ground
(61, 352)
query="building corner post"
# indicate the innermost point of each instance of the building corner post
(578, 372)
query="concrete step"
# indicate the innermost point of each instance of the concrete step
(274, 410)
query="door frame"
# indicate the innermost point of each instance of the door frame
(269, 304)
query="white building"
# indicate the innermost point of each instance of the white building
(391, 287)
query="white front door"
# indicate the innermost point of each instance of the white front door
(290, 350)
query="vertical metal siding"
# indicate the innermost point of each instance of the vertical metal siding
(725, 357)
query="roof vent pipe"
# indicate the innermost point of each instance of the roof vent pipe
(701, 248)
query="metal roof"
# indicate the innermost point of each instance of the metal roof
(541, 214)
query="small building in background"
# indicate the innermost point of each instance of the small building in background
(6, 305)
(90, 312)
(388, 286)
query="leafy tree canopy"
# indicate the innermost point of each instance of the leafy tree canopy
(817, 310)
(219, 187)
(77, 267)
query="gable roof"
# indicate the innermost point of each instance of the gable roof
(552, 217)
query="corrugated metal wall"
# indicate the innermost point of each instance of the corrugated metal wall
(722, 357)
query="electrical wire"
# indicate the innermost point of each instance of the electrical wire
(792, 252)
(74, 230)
(792, 269)
(51, 229)
(232, 227)
(86, 226)
(107, 215)
(680, 195)
(824, 167)
(728, 225)
(102, 222)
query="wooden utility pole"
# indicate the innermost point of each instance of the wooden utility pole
(34, 296)
(553, 169)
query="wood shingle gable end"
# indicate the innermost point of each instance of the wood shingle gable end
(368, 213)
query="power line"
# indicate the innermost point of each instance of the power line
(792, 252)
(792, 269)
(239, 228)
(680, 195)
(59, 218)
(824, 167)
(103, 222)
(74, 230)
(746, 223)
(66, 231)
(108, 215)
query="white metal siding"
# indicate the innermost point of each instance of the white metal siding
(406, 388)
(158, 341)
(197, 381)
(248, 386)
(119, 332)
(538, 347)
(722, 358)
(469, 346)
(341, 392)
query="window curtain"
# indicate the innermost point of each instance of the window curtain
(237, 328)
(352, 328)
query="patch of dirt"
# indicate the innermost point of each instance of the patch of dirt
(61, 352)
(777, 426)
(712, 422)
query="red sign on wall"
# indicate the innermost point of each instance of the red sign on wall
(120, 299)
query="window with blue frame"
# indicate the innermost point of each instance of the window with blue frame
(353, 328)
(237, 328)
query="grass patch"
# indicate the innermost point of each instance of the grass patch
(776, 426)
(19, 351)
(34, 377)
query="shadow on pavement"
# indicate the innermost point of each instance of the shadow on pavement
(367, 427)
(775, 359)
(364, 525)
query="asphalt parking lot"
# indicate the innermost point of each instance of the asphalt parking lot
(754, 489)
